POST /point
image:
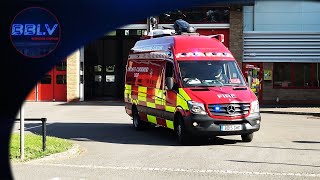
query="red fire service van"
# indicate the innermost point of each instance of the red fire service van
(189, 83)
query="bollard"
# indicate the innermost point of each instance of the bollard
(44, 131)
(44, 134)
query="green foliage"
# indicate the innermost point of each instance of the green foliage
(33, 146)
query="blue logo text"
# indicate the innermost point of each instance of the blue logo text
(32, 29)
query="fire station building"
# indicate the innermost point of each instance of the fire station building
(282, 38)
(278, 42)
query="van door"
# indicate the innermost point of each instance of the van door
(155, 93)
(170, 97)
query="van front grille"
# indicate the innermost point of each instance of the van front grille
(235, 109)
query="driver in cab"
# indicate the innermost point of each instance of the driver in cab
(216, 75)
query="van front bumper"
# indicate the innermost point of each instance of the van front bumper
(208, 126)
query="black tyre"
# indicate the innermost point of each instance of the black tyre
(137, 123)
(182, 135)
(247, 137)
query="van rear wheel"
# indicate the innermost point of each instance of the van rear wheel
(247, 137)
(137, 123)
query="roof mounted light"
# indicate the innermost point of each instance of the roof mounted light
(181, 26)
(203, 54)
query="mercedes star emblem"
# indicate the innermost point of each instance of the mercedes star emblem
(231, 109)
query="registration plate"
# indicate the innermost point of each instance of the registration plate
(236, 127)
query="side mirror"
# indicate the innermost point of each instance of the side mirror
(169, 83)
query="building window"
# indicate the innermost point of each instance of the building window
(61, 79)
(316, 81)
(296, 75)
(197, 15)
(282, 75)
(46, 79)
(303, 74)
(61, 66)
(130, 32)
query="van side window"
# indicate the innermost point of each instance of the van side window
(171, 73)
(232, 72)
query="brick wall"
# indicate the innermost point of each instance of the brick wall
(236, 33)
(73, 65)
(291, 96)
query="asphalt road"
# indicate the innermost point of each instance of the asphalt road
(286, 147)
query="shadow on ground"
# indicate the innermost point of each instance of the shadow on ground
(272, 147)
(260, 162)
(307, 142)
(119, 134)
(94, 103)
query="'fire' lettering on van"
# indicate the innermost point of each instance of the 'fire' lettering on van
(226, 96)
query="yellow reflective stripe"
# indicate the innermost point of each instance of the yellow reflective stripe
(184, 94)
(142, 89)
(127, 91)
(182, 103)
(170, 108)
(169, 124)
(182, 99)
(151, 105)
(152, 119)
(135, 101)
(142, 93)
(158, 96)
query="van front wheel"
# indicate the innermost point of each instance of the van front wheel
(247, 137)
(182, 135)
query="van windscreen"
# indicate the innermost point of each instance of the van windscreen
(210, 73)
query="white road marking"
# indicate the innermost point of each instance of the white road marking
(180, 170)
(58, 178)
(55, 178)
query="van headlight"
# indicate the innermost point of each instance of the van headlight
(255, 107)
(196, 107)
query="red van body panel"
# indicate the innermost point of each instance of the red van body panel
(152, 61)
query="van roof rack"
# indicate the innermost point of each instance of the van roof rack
(161, 32)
